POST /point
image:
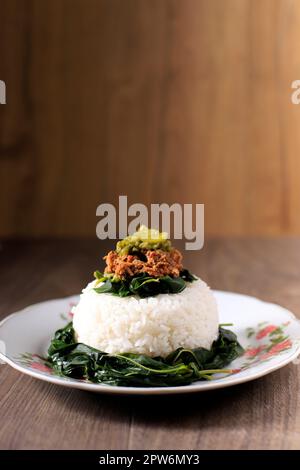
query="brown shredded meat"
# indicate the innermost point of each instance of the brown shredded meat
(157, 263)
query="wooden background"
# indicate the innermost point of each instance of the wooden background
(162, 100)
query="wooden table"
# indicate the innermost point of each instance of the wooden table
(263, 414)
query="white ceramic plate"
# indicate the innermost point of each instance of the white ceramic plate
(269, 333)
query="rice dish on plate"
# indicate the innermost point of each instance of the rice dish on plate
(145, 321)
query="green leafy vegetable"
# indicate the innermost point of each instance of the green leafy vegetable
(142, 285)
(187, 276)
(181, 367)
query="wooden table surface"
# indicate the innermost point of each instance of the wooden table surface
(263, 414)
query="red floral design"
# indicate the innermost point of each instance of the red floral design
(277, 348)
(40, 367)
(274, 341)
(266, 331)
(253, 352)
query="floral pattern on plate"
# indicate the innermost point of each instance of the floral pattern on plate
(39, 363)
(269, 340)
(35, 362)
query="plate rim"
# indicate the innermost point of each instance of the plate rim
(123, 390)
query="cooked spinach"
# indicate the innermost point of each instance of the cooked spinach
(142, 285)
(181, 367)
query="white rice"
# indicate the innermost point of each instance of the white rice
(153, 326)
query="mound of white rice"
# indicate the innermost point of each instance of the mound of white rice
(153, 326)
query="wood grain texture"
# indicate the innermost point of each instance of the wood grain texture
(263, 414)
(162, 100)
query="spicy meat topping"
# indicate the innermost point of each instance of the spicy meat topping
(155, 263)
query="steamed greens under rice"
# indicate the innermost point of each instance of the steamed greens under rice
(181, 367)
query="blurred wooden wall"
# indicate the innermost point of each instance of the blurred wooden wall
(162, 100)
